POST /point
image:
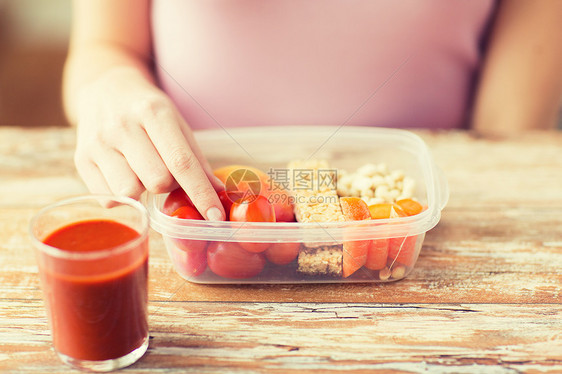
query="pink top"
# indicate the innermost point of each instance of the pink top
(392, 63)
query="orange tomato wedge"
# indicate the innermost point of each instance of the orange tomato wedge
(378, 251)
(354, 255)
(354, 209)
(354, 251)
(377, 254)
(402, 249)
(409, 206)
(386, 210)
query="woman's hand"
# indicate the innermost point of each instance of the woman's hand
(131, 138)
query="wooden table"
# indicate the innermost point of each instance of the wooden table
(485, 296)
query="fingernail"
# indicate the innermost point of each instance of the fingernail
(214, 214)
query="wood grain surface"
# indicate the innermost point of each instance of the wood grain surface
(485, 295)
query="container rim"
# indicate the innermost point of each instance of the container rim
(265, 232)
(307, 232)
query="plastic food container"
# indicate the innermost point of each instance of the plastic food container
(194, 246)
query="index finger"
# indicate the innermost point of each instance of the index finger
(163, 127)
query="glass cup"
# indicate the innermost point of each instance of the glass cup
(96, 297)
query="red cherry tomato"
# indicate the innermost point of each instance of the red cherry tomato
(226, 200)
(176, 199)
(254, 209)
(229, 260)
(189, 263)
(282, 253)
(190, 245)
(187, 212)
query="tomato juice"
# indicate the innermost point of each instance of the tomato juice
(96, 292)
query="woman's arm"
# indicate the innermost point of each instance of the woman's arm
(521, 81)
(130, 136)
(105, 34)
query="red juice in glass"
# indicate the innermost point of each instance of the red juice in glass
(94, 274)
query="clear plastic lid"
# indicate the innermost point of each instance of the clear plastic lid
(344, 148)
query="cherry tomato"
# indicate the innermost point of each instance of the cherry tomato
(282, 253)
(226, 199)
(190, 245)
(229, 260)
(254, 209)
(187, 212)
(189, 264)
(176, 199)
